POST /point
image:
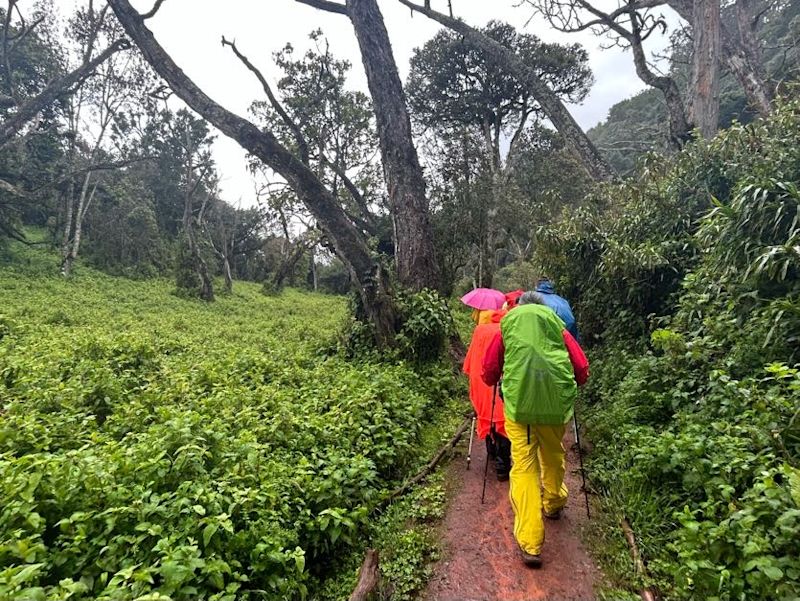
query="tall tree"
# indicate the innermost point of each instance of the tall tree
(192, 143)
(25, 108)
(454, 85)
(704, 88)
(349, 244)
(552, 106)
(331, 130)
(328, 127)
(91, 114)
(414, 252)
(741, 49)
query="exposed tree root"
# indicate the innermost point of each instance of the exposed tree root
(647, 593)
(368, 577)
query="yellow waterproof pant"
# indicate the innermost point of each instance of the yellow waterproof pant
(543, 451)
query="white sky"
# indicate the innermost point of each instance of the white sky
(190, 30)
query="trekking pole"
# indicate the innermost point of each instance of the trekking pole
(471, 436)
(580, 458)
(491, 432)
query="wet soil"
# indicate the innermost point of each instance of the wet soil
(481, 560)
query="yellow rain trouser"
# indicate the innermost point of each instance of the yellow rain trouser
(544, 449)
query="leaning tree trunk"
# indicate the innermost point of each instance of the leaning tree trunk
(705, 66)
(679, 127)
(52, 91)
(551, 104)
(347, 241)
(414, 252)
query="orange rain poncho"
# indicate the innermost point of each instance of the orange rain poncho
(479, 393)
(482, 316)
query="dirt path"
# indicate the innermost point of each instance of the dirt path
(481, 559)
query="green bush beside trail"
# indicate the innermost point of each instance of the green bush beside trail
(151, 445)
(686, 280)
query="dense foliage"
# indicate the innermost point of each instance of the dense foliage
(687, 284)
(151, 445)
(495, 167)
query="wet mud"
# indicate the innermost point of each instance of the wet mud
(481, 560)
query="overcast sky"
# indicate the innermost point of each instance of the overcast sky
(190, 30)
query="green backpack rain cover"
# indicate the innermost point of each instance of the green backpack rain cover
(538, 382)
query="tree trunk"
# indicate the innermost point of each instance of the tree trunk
(705, 66)
(746, 66)
(751, 72)
(198, 265)
(84, 201)
(288, 264)
(226, 270)
(206, 284)
(679, 126)
(65, 241)
(414, 253)
(551, 104)
(313, 267)
(368, 578)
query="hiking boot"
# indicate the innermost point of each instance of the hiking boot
(554, 515)
(502, 475)
(530, 560)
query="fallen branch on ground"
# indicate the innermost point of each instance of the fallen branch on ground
(424, 472)
(647, 593)
(368, 577)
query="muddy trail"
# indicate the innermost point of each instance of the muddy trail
(481, 560)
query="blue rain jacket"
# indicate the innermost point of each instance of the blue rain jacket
(560, 306)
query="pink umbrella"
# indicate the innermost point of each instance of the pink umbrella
(484, 299)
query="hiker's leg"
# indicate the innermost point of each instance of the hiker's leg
(491, 449)
(523, 490)
(503, 460)
(553, 461)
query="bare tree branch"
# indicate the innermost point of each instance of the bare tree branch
(12, 189)
(56, 87)
(90, 169)
(348, 184)
(152, 12)
(327, 5)
(302, 144)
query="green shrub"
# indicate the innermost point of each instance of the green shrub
(164, 446)
(685, 281)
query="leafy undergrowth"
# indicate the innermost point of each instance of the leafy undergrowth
(687, 283)
(151, 445)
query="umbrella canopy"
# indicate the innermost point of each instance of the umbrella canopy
(485, 299)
